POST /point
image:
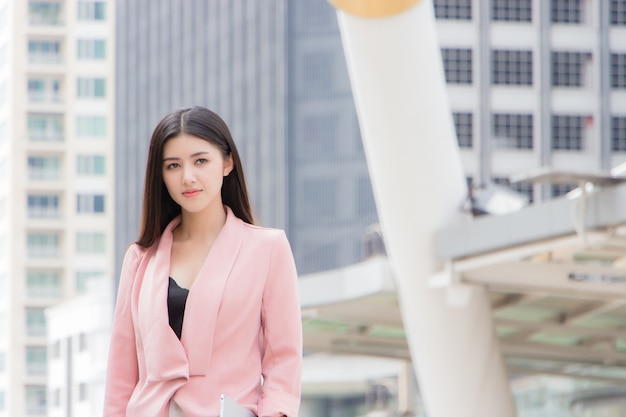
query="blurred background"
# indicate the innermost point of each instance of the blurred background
(531, 83)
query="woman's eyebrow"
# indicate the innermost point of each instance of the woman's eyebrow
(175, 158)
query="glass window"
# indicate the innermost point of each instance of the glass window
(618, 133)
(618, 12)
(453, 9)
(43, 245)
(44, 167)
(567, 132)
(90, 165)
(44, 13)
(91, 10)
(511, 10)
(83, 278)
(91, 49)
(35, 321)
(43, 283)
(91, 87)
(513, 131)
(566, 11)
(44, 52)
(568, 68)
(91, 126)
(618, 70)
(36, 360)
(44, 90)
(464, 126)
(43, 206)
(512, 67)
(364, 197)
(319, 199)
(317, 71)
(457, 63)
(44, 127)
(3, 356)
(35, 399)
(90, 203)
(558, 190)
(319, 133)
(90, 242)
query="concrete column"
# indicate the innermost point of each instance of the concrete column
(397, 79)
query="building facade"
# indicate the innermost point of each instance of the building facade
(56, 201)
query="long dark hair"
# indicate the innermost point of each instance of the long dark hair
(158, 207)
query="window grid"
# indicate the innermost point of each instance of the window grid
(36, 360)
(618, 12)
(44, 127)
(44, 167)
(43, 206)
(36, 399)
(91, 49)
(618, 70)
(511, 10)
(90, 165)
(567, 132)
(90, 203)
(35, 321)
(513, 130)
(453, 9)
(512, 67)
(91, 87)
(43, 245)
(44, 52)
(91, 126)
(90, 242)
(464, 126)
(566, 11)
(568, 68)
(558, 190)
(525, 188)
(618, 133)
(457, 64)
(43, 284)
(44, 13)
(91, 10)
(84, 277)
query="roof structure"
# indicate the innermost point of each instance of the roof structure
(556, 277)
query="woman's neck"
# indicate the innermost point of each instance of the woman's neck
(202, 226)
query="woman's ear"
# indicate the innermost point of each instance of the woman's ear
(228, 165)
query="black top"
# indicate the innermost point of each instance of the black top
(176, 299)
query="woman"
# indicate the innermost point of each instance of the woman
(207, 302)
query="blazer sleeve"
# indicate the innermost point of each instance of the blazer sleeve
(282, 335)
(122, 367)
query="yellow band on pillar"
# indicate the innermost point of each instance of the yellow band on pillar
(373, 8)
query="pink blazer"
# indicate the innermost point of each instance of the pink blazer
(241, 335)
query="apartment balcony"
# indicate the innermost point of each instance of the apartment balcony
(45, 97)
(36, 174)
(45, 13)
(44, 213)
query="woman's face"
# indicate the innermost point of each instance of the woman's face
(193, 172)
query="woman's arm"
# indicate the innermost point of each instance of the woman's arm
(122, 371)
(282, 335)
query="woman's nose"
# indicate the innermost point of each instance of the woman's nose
(188, 175)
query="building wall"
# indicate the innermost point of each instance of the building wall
(56, 196)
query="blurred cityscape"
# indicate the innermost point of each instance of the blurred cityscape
(531, 84)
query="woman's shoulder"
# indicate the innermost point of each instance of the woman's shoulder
(263, 232)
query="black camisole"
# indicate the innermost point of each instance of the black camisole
(176, 300)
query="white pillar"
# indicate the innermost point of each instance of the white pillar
(395, 69)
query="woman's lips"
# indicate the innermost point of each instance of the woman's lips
(191, 193)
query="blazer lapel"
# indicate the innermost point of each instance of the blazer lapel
(165, 356)
(205, 296)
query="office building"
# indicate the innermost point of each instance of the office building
(56, 148)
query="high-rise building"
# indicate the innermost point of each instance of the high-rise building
(56, 161)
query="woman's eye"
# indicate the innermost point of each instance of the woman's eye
(201, 161)
(172, 165)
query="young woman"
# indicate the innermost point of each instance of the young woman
(207, 302)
